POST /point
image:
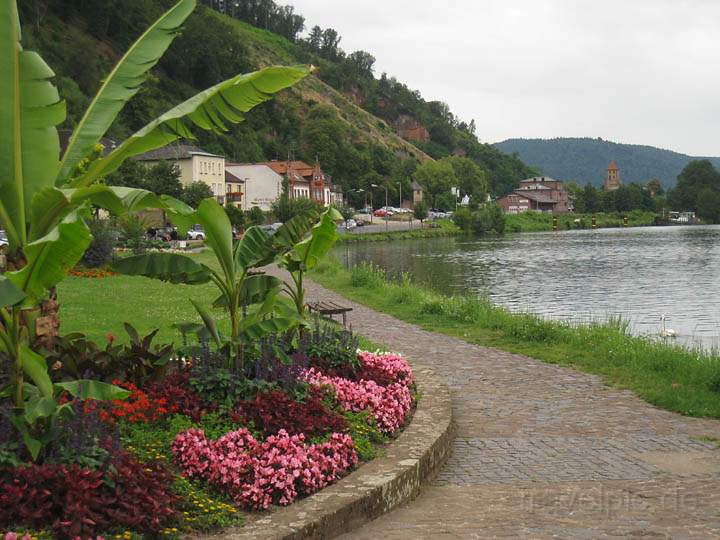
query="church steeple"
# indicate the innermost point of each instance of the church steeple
(612, 178)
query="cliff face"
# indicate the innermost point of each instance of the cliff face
(410, 129)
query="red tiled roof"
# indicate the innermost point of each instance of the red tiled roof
(613, 166)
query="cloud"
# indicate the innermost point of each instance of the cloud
(643, 71)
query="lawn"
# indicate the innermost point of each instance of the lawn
(99, 306)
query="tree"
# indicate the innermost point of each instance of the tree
(589, 200)
(708, 205)
(256, 216)
(236, 216)
(285, 208)
(697, 176)
(655, 187)
(420, 212)
(472, 180)
(163, 178)
(195, 193)
(436, 177)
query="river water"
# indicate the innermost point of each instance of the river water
(638, 274)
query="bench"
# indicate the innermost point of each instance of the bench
(328, 309)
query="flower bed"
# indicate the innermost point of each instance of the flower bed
(193, 450)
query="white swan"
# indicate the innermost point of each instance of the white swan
(666, 332)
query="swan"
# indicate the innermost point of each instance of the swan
(666, 332)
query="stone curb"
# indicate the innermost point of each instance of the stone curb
(376, 487)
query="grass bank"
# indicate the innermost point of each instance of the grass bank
(672, 377)
(535, 222)
(443, 227)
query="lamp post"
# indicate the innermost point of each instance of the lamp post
(386, 204)
(400, 205)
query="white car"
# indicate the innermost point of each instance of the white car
(350, 224)
(196, 234)
(3, 239)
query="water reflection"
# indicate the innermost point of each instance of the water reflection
(637, 273)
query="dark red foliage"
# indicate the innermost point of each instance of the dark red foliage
(78, 502)
(175, 389)
(276, 410)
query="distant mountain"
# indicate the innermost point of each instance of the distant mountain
(586, 160)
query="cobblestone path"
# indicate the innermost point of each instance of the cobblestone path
(544, 451)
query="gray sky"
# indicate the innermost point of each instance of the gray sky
(634, 71)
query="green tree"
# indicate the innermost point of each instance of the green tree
(236, 216)
(163, 178)
(195, 193)
(655, 187)
(708, 205)
(420, 212)
(472, 180)
(697, 176)
(285, 208)
(436, 177)
(256, 216)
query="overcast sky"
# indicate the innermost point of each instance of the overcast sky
(635, 71)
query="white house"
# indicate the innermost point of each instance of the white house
(194, 164)
(252, 184)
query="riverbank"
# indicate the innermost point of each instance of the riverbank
(537, 222)
(440, 228)
(675, 378)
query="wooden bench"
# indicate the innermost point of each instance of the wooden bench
(328, 309)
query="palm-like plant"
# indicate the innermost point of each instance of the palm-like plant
(43, 197)
(250, 300)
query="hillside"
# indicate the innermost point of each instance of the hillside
(349, 119)
(585, 160)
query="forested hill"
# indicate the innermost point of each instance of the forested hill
(364, 128)
(585, 160)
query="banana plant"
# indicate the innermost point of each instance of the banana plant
(250, 300)
(44, 196)
(301, 251)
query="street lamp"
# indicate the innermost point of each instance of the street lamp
(386, 203)
(400, 205)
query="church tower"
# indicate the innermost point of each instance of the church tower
(612, 179)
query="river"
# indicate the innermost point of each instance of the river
(638, 274)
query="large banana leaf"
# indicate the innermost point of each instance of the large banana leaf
(255, 289)
(122, 84)
(322, 237)
(254, 249)
(209, 322)
(252, 329)
(171, 267)
(9, 292)
(51, 205)
(293, 230)
(218, 235)
(226, 101)
(90, 389)
(49, 258)
(35, 367)
(30, 108)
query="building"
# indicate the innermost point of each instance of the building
(612, 177)
(194, 165)
(307, 181)
(417, 192)
(538, 194)
(252, 184)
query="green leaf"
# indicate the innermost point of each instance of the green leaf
(255, 289)
(253, 249)
(49, 258)
(226, 101)
(121, 85)
(321, 240)
(90, 389)
(209, 322)
(171, 267)
(30, 108)
(35, 367)
(218, 235)
(252, 330)
(39, 408)
(294, 230)
(10, 293)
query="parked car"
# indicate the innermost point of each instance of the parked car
(196, 233)
(350, 224)
(366, 210)
(3, 239)
(380, 212)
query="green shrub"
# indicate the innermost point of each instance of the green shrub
(100, 251)
(367, 275)
(365, 434)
